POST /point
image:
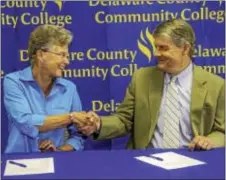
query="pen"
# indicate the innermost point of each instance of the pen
(156, 158)
(18, 164)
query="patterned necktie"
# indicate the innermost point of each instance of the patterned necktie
(172, 116)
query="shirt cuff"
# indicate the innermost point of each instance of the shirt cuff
(76, 142)
(29, 130)
(96, 133)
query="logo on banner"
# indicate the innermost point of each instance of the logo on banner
(220, 2)
(146, 44)
(59, 3)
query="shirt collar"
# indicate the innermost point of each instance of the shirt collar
(26, 75)
(181, 77)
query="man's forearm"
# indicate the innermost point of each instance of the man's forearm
(55, 122)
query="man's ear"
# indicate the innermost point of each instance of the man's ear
(186, 49)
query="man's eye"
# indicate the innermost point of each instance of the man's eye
(163, 48)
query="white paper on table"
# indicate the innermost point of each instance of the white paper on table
(34, 166)
(170, 160)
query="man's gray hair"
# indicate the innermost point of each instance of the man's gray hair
(179, 31)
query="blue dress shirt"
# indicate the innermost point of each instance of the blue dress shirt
(184, 83)
(27, 107)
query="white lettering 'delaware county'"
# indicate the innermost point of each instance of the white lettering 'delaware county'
(94, 54)
(23, 4)
(201, 51)
(98, 105)
(105, 3)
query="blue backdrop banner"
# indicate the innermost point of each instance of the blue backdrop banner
(111, 40)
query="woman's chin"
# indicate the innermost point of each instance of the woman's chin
(59, 73)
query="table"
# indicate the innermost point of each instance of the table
(121, 164)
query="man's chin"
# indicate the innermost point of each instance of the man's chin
(163, 67)
(160, 66)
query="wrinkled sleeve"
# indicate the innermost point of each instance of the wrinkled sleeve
(18, 108)
(75, 139)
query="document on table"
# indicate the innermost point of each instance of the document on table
(170, 160)
(29, 166)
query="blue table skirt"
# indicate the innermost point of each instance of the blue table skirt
(121, 164)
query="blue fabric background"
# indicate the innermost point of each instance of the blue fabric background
(105, 37)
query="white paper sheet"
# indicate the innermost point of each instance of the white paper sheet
(170, 160)
(34, 166)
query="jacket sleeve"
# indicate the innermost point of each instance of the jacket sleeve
(120, 123)
(218, 132)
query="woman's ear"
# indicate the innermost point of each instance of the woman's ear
(39, 56)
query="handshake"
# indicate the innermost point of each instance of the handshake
(86, 122)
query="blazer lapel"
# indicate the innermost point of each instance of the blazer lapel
(155, 96)
(198, 95)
